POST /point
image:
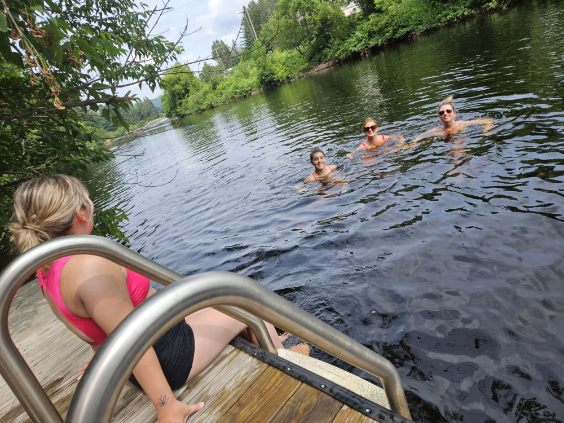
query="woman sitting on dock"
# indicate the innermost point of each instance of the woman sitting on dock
(373, 139)
(92, 295)
(447, 114)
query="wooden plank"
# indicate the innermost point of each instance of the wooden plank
(263, 399)
(348, 415)
(52, 352)
(308, 405)
(217, 386)
(222, 384)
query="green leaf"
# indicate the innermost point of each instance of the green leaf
(37, 8)
(3, 22)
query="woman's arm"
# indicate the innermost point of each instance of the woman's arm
(309, 179)
(357, 149)
(103, 293)
(398, 137)
(422, 136)
(488, 124)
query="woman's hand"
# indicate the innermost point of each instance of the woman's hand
(176, 411)
(488, 125)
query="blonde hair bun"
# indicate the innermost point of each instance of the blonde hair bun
(44, 208)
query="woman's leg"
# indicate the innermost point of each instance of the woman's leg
(213, 330)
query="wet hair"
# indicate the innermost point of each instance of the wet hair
(447, 101)
(312, 153)
(44, 208)
(369, 119)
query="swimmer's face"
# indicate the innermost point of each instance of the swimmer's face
(318, 161)
(447, 113)
(370, 128)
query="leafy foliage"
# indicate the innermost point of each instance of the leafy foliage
(57, 60)
(225, 56)
(259, 12)
(178, 83)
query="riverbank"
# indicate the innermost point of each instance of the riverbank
(263, 68)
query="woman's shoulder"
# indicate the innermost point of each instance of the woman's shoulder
(310, 178)
(88, 264)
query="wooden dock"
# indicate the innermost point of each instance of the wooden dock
(235, 388)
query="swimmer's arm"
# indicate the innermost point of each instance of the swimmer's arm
(309, 179)
(422, 136)
(488, 124)
(398, 137)
(105, 289)
(333, 168)
(359, 148)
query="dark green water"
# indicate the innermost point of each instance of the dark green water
(447, 260)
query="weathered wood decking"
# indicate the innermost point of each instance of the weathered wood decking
(235, 388)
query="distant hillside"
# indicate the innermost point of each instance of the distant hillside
(157, 103)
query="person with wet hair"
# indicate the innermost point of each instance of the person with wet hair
(92, 295)
(374, 140)
(321, 170)
(447, 113)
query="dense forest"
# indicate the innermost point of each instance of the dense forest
(283, 39)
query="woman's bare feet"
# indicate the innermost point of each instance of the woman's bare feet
(302, 348)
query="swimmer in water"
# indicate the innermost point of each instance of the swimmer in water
(447, 114)
(321, 170)
(373, 139)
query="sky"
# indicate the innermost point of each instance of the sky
(208, 20)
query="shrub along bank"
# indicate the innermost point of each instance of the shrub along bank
(298, 34)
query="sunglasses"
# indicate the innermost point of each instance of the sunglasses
(370, 128)
(442, 112)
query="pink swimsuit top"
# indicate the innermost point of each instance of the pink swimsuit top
(137, 286)
(365, 146)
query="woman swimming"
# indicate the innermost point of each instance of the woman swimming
(373, 139)
(447, 114)
(92, 295)
(321, 170)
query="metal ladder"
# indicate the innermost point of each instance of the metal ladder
(238, 296)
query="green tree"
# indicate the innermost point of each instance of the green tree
(177, 84)
(57, 60)
(222, 54)
(367, 6)
(259, 12)
(212, 75)
(312, 27)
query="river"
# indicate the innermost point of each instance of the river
(447, 258)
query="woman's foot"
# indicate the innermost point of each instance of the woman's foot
(302, 348)
(284, 336)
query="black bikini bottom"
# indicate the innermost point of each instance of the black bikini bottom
(175, 351)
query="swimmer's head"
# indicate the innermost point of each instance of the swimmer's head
(369, 126)
(447, 103)
(315, 152)
(46, 207)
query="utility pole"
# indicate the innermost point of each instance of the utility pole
(250, 21)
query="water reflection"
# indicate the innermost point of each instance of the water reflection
(446, 258)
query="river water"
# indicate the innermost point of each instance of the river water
(447, 258)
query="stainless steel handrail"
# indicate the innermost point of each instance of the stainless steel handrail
(14, 368)
(119, 354)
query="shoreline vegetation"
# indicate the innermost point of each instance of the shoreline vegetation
(298, 38)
